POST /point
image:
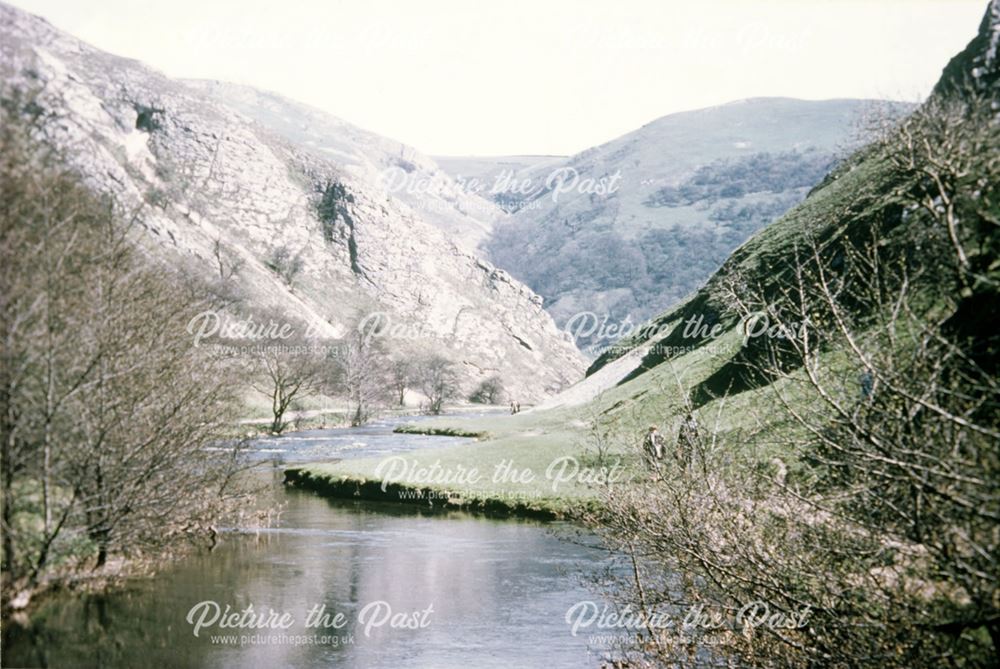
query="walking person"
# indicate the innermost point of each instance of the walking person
(687, 439)
(652, 449)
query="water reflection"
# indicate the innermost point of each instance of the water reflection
(499, 591)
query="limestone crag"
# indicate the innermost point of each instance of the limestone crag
(304, 230)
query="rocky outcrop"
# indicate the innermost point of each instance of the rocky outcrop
(402, 171)
(304, 230)
(978, 65)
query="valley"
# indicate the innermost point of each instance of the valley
(719, 391)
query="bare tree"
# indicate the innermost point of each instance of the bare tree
(866, 493)
(401, 374)
(438, 381)
(287, 371)
(364, 372)
(105, 403)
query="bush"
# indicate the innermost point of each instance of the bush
(490, 391)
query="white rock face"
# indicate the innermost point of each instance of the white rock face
(398, 169)
(202, 171)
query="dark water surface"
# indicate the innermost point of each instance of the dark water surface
(497, 590)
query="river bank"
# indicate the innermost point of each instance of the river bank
(507, 584)
(375, 490)
(529, 465)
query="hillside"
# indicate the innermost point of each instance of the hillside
(828, 408)
(491, 177)
(403, 172)
(291, 219)
(678, 196)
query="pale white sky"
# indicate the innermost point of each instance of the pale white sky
(455, 77)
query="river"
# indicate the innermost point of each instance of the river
(412, 587)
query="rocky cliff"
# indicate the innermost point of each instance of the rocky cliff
(301, 227)
(405, 173)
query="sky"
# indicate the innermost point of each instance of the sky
(454, 77)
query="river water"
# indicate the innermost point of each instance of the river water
(413, 588)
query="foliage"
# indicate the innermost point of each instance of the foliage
(880, 390)
(577, 267)
(489, 391)
(736, 177)
(438, 380)
(285, 264)
(107, 405)
(332, 208)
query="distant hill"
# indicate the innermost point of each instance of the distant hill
(628, 228)
(846, 204)
(488, 176)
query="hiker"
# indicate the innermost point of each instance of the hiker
(517, 407)
(687, 437)
(513, 407)
(867, 382)
(652, 447)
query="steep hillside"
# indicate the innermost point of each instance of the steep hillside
(629, 228)
(845, 206)
(284, 225)
(400, 170)
(698, 351)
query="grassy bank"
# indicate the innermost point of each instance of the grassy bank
(328, 483)
(442, 431)
(502, 471)
(548, 462)
(503, 476)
